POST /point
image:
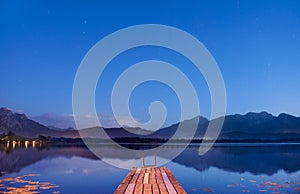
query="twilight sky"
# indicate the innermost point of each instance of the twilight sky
(255, 43)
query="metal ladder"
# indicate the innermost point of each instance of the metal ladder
(143, 158)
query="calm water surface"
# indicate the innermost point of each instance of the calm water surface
(224, 169)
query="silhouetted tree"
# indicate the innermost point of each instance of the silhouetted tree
(10, 134)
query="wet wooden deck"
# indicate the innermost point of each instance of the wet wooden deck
(150, 180)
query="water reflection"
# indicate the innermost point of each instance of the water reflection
(13, 160)
(254, 159)
(9, 146)
(224, 169)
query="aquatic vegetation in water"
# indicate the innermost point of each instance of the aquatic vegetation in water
(260, 184)
(23, 184)
(207, 190)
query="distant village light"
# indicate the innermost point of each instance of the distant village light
(26, 144)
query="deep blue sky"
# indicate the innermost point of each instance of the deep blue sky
(255, 43)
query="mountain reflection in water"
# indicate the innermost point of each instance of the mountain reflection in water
(226, 168)
(254, 159)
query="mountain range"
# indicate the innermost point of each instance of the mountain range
(251, 125)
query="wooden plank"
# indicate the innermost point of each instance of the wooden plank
(134, 178)
(138, 188)
(157, 170)
(147, 189)
(140, 179)
(162, 188)
(121, 189)
(131, 185)
(155, 189)
(123, 186)
(130, 188)
(132, 171)
(169, 186)
(162, 170)
(159, 179)
(146, 178)
(174, 182)
(152, 178)
(138, 170)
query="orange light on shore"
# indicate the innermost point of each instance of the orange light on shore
(26, 144)
(14, 144)
(33, 144)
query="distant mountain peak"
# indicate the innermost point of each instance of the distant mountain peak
(6, 112)
(285, 115)
(262, 114)
(21, 125)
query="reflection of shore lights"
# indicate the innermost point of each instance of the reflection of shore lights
(26, 144)
(7, 144)
(14, 144)
(19, 143)
(33, 144)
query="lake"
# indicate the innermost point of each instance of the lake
(226, 168)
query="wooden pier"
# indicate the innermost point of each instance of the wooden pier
(150, 180)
